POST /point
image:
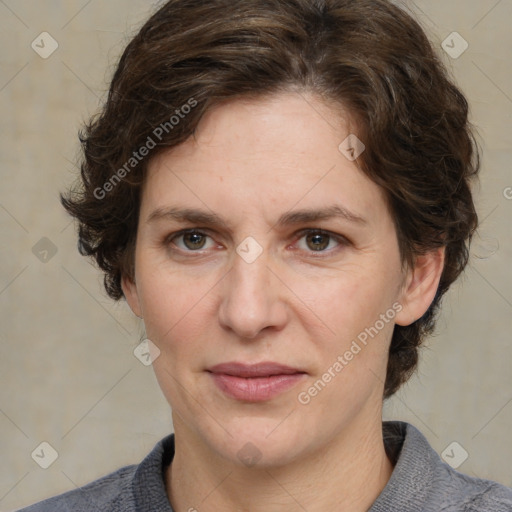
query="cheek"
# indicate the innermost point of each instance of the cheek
(352, 352)
(347, 302)
(172, 302)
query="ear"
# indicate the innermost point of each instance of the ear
(420, 286)
(131, 295)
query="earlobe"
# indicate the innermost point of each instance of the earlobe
(421, 286)
(131, 295)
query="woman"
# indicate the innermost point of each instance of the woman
(281, 191)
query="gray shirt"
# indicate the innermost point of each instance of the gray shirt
(421, 482)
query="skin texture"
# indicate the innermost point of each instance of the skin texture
(249, 162)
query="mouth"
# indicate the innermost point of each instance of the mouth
(256, 382)
(264, 369)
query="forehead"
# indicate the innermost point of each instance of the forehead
(286, 123)
(277, 151)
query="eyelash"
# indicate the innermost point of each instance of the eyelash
(341, 240)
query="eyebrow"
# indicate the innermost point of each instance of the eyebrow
(194, 216)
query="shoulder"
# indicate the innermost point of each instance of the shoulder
(129, 489)
(421, 480)
(452, 491)
(110, 493)
(458, 491)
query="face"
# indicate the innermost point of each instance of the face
(289, 256)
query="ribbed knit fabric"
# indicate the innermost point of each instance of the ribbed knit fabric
(421, 482)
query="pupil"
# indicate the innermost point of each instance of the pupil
(195, 240)
(318, 238)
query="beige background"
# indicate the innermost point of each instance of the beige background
(68, 373)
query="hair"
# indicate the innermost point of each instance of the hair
(368, 56)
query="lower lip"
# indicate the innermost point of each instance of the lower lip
(255, 389)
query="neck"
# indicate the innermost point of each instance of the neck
(348, 473)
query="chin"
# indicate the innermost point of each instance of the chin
(258, 444)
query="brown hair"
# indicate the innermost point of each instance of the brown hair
(367, 56)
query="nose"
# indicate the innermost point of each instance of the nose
(253, 298)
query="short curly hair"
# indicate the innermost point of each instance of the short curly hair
(368, 56)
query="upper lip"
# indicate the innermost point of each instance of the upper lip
(263, 369)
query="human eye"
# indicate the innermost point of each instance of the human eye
(319, 241)
(189, 240)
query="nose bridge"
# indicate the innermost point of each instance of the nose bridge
(250, 300)
(251, 267)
